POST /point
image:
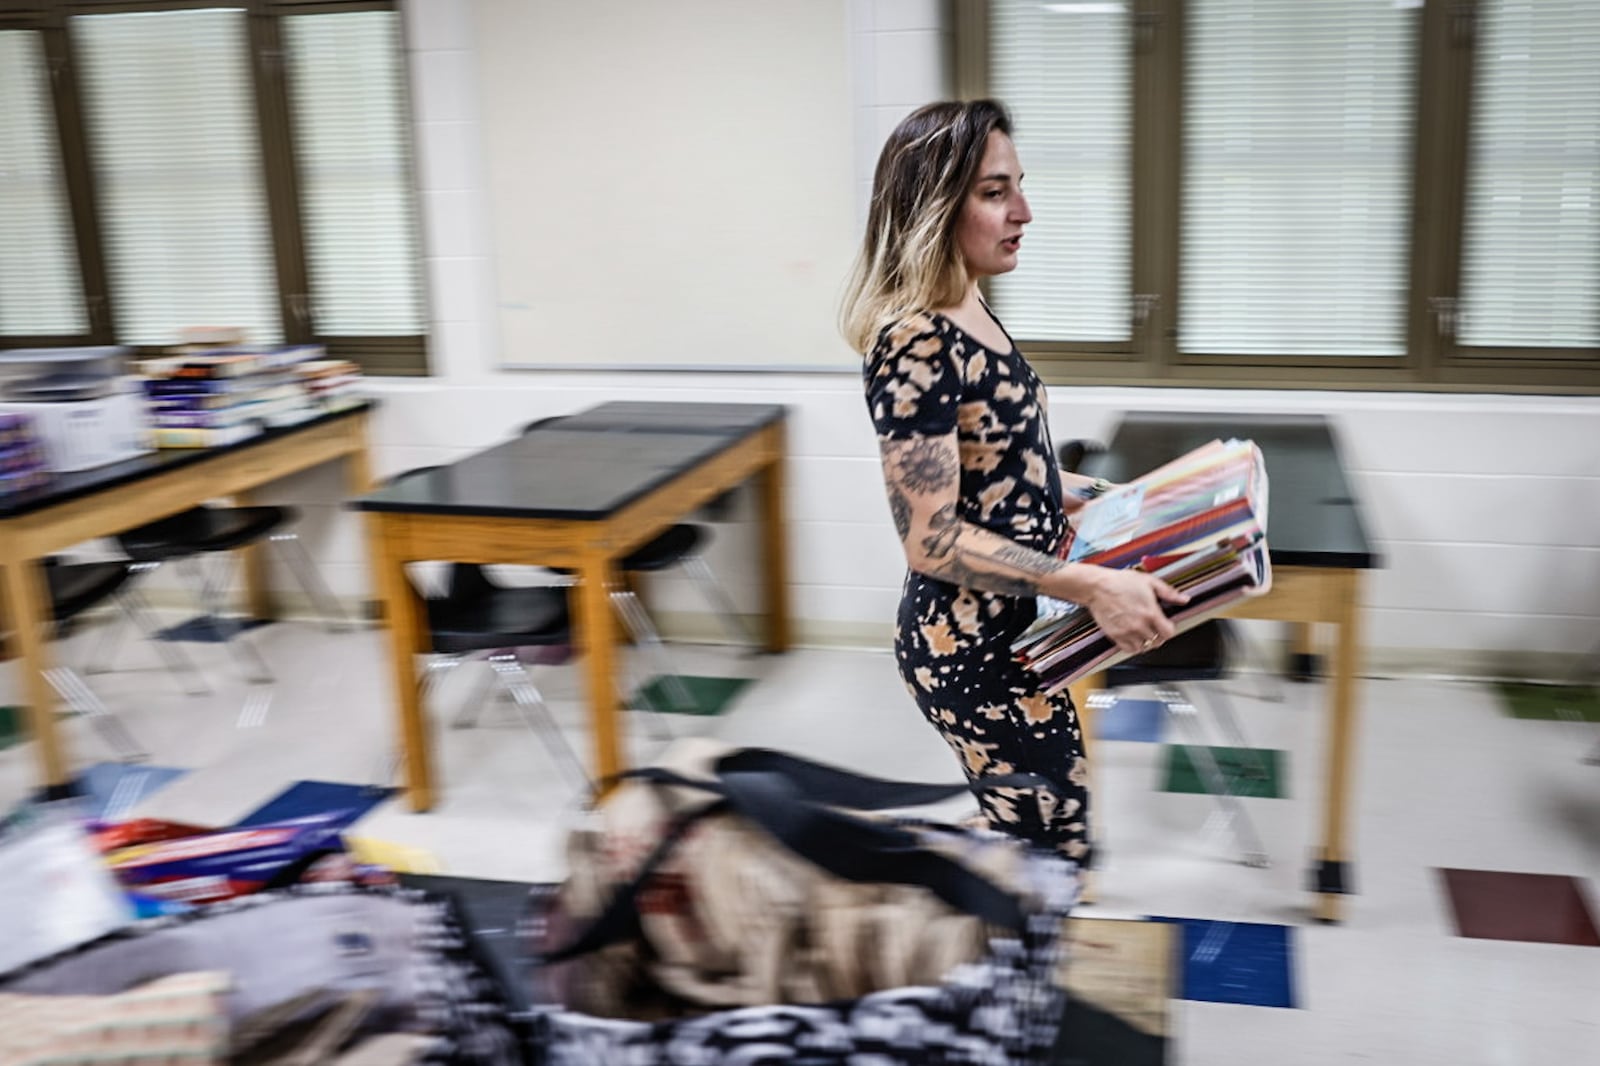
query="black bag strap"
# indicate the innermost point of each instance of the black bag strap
(844, 788)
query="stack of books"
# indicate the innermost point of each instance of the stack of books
(1199, 523)
(207, 396)
(330, 384)
(23, 464)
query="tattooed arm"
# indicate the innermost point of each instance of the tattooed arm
(923, 477)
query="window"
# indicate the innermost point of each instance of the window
(1076, 281)
(1530, 269)
(168, 117)
(238, 162)
(41, 291)
(1296, 154)
(1366, 193)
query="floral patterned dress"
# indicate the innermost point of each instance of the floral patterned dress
(926, 377)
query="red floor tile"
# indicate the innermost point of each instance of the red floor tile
(1539, 908)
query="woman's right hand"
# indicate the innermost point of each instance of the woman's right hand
(1127, 606)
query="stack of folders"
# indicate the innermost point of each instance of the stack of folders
(1199, 523)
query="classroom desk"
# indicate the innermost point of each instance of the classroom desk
(108, 500)
(1319, 551)
(580, 494)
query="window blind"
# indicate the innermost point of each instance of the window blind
(170, 116)
(1065, 72)
(357, 200)
(1530, 271)
(1296, 176)
(41, 290)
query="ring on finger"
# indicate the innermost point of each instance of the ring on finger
(1150, 642)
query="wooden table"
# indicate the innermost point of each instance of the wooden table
(1319, 551)
(108, 500)
(580, 494)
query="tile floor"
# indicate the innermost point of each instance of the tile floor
(1446, 782)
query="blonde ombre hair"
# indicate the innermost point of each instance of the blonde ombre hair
(909, 261)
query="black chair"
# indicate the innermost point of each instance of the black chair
(187, 537)
(73, 589)
(1201, 654)
(471, 616)
(683, 544)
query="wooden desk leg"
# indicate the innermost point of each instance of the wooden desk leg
(404, 614)
(358, 462)
(1082, 691)
(26, 604)
(253, 567)
(597, 641)
(775, 548)
(1333, 873)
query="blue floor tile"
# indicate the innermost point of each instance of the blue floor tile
(112, 789)
(1237, 962)
(318, 797)
(1140, 720)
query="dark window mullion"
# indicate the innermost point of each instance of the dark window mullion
(1440, 182)
(78, 173)
(279, 174)
(1158, 182)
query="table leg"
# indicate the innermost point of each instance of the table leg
(404, 613)
(26, 604)
(597, 641)
(774, 547)
(358, 463)
(253, 567)
(1333, 868)
(1303, 664)
(1082, 691)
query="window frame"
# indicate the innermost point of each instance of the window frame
(386, 355)
(1441, 120)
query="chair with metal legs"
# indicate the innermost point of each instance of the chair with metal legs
(190, 538)
(75, 588)
(682, 545)
(1201, 654)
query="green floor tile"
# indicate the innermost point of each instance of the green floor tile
(10, 726)
(707, 695)
(1259, 772)
(1562, 703)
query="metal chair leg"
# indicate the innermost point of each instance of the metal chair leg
(137, 610)
(212, 588)
(536, 713)
(645, 634)
(305, 572)
(706, 579)
(78, 696)
(1234, 816)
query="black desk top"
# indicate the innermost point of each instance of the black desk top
(1313, 517)
(647, 416)
(552, 472)
(66, 487)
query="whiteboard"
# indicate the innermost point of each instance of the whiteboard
(670, 181)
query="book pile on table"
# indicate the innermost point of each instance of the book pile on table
(22, 456)
(1199, 523)
(330, 384)
(216, 390)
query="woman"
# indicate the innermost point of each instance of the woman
(973, 484)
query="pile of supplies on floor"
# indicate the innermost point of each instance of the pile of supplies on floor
(1199, 523)
(148, 941)
(216, 388)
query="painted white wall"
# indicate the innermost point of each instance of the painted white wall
(1486, 508)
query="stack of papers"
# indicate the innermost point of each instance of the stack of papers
(1199, 523)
